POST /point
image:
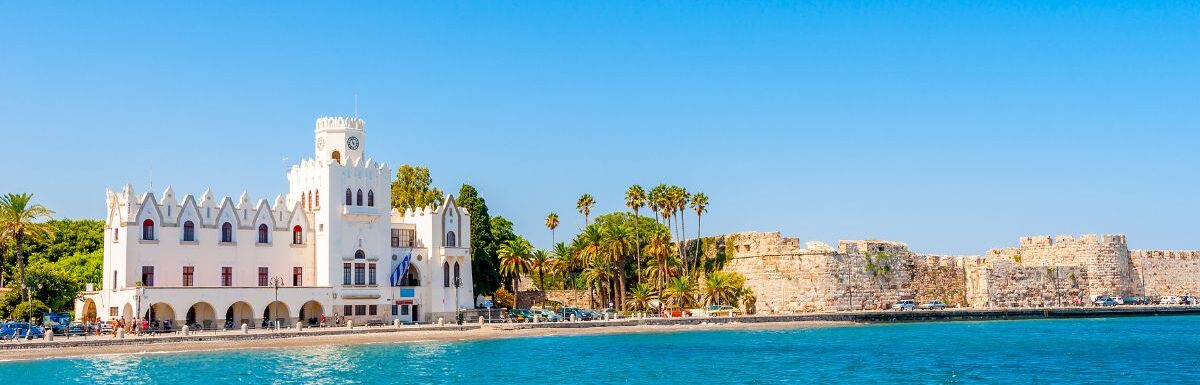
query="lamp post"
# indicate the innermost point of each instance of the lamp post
(276, 281)
(457, 313)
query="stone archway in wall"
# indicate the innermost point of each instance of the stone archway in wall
(160, 311)
(240, 313)
(310, 313)
(201, 316)
(127, 313)
(277, 311)
(89, 312)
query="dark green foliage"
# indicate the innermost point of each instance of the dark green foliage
(484, 263)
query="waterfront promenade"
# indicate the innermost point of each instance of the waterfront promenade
(265, 338)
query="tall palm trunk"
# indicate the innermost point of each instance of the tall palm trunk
(21, 267)
(3, 258)
(699, 240)
(637, 246)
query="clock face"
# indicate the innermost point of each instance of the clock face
(352, 143)
(321, 143)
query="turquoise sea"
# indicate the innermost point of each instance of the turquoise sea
(1101, 351)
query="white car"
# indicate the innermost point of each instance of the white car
(1169, 300)
(933, 305)
(904, 304)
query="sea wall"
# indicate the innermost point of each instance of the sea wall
(1040, 272)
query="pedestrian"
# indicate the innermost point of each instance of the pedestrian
(322, 319)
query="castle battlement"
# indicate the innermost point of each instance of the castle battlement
(1070, 240)
(339, 123)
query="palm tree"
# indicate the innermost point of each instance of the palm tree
(514, 261)
(680, 291)
(21, 218)
(679, 201)
(700, 206)
(718, 287)
(539, 260)
(640, 296)
(596, 274)
(584, 205)
(552, 223)
(564, 263)
(616, 244)
(748, 299)
(635, 198)
(658, 246)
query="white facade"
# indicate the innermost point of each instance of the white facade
(329, 247)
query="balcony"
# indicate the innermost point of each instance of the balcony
(364, 213)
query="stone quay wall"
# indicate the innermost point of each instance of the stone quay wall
(1040, 272)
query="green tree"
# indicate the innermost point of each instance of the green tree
(879, 267)
(485, 266)
(635, 198)
(680, 292)
(719, 287)
(552, 223)
(640, 296)
(584, 205)
(514, 261)
(539, 260)
(700, 206)
(21, 218)
(565, 263)
(413, 189)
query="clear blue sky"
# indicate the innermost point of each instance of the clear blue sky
(953, 128)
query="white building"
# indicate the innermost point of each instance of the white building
(331, 246)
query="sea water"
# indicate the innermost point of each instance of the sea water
(1100, 350)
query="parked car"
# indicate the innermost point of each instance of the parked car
(1135, 300)
(548, 315)
(676, 313)
(580, 314)
(723, 311)
(904, 304)
(76, 329)
(20, 330)
(933, 305)
(1105, 301)
(520, 315)
(1169, 300)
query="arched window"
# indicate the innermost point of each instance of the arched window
(457, 273)
(317, 200)
(360, 255)
(360, 197)
(371, 198)
(189, 231)
(450, 241)
(226, 232)
(311, 203)
(148, 230)
(303, 202)
(348, 198)
(446, 274)
(116, 234)
(297, 235)
(263, 233)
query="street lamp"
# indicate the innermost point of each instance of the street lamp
(457, 312)
(276, 282)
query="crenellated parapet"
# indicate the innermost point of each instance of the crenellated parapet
(126, 209)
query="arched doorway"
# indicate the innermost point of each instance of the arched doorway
(311, 313)
(201, 316)
(276, 311)
(127, 313)
(89, 312)
(161, 316)
(239, 313)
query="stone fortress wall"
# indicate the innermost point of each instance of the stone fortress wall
(1040, 272)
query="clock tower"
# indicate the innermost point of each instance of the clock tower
(339, 139)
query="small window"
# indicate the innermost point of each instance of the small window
(360, 255)
(189, 275)
(297, 276)
(450, 241)
(360, 309)
(373, 310)
(371, 274)
(347, 310)
(147, 275)
(457, 273)
(370, 198)
(360, 197)
(297, 235)
(346, 271)
(148, 230)
(226, 276)
(348, 197)
(189, 231)
(360, 274)
(116, 234)
(227, 232)
(446, 274)
(262, 276)
(317, 200)
(263, 234)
